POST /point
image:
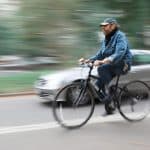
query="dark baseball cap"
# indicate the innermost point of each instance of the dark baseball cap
(108, 21)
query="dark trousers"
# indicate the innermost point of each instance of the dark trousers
(107, 72)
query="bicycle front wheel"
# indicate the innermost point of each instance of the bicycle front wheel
(78, 112)
(134, 101)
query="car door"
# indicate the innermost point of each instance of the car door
(141, 64)
(140, 69)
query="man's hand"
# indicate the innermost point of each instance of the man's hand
(100, 62)
(82, 60)
(106, 61)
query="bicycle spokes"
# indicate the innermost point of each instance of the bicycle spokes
(135, 101)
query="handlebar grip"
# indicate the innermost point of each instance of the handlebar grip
(83, 64)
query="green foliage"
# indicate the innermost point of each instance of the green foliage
(59, 27)
(7, 40)
(20, 82)
(135, 18)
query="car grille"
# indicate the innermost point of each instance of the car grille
(44, 94)
(47, 93)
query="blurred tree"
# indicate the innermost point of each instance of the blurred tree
(10, 28)
(8, 40)
(69, 27)
(4, 40)
(46, 25)
(135, 16)
(61, 26)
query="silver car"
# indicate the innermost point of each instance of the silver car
(47, 86)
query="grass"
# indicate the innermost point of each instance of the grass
(20, 82)
(24, 81)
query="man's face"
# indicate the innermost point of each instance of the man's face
(106, 29)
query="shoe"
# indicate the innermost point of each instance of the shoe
(110, 107)
(107, 114)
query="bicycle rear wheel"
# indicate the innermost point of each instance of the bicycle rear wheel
(77, 113)
(134, 101)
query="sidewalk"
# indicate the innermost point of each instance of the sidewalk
(18, 94)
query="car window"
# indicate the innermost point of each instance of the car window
(141, 59)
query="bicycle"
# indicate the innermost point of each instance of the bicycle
(131, 99)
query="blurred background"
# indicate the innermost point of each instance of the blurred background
(39, 37)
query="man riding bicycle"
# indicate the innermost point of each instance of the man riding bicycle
(114, 56)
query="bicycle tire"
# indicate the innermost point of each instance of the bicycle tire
(134, 101)
(65, 115)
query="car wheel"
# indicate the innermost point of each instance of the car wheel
(72, 93)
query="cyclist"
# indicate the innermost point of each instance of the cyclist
(114, 56)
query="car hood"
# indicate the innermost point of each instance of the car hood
(60, 78)
(73, 72)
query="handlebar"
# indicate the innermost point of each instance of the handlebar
(89, 65)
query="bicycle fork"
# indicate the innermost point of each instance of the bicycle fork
(81, 94)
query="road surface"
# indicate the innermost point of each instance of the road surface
(27, 124)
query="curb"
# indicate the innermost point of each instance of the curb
(18, 94)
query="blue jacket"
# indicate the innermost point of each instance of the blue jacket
(117, 50)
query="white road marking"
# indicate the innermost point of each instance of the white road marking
(50, 125)
(25, 128)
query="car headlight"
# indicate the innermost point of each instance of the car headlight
(41, 82)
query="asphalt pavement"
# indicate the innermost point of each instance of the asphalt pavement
(27, 123)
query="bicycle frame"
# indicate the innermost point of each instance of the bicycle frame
(121, 98)
(93, 89)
